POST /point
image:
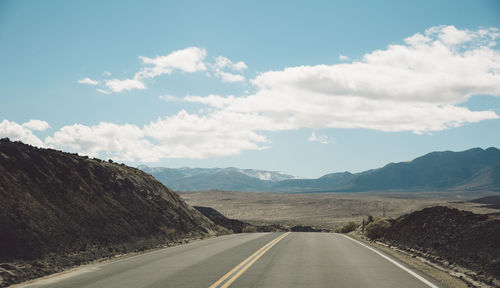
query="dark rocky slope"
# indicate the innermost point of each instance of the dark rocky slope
(235, 225)
(465, 238)
(59, 209)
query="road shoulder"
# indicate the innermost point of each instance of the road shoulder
(440, 274)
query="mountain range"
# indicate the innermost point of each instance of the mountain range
(471, 170)
(187, 179)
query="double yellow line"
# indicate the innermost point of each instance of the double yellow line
(236, 272)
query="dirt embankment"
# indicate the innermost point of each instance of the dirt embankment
(59, 210)
(467, 239)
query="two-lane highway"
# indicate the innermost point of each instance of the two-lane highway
(249, 260)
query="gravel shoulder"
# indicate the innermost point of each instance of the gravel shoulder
(456, 277)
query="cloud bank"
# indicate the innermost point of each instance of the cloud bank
(23, 132)
(416, 85)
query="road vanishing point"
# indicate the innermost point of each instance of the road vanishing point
(249, 260)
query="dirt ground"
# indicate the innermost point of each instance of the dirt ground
(325, 210)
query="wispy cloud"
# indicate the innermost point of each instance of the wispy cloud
(343, 58)
(117, 85)
(222, 64)
(188, 60)
(322, 139)
(230, 77)
(168, 98)
(88, 81)
(103, 91)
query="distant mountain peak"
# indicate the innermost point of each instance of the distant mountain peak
(230, 178)
(472, 169)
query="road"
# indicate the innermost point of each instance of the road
(248, 260)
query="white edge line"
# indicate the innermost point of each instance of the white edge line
(422, 279)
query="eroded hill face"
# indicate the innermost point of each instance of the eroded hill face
(461, 237)
(52, 203)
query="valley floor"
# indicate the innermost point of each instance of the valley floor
(325, 210)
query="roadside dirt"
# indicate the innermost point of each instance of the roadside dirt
(447, 277)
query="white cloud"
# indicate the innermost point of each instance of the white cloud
(322, 139)
(343, 57)
(117, 85)
(218, 134)
(121, 142)
(227, 77)
(223, 62)
(103, 91)
(88, 81)
(37, 125)
(406, 87)
(413, 86)
(182, 135)
(449, 35)
(18, 132)
(168, 98)
(187, 60)
(211, 100)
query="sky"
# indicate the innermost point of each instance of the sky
(303, 87)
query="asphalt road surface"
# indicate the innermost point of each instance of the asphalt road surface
(249, 260)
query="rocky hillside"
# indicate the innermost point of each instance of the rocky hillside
(72, 209)
(234, 225)
(470, 240)
(238, 226)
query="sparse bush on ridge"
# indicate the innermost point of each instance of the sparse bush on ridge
(377, 228)
(370, 219)
(349, 227)
(250, 229)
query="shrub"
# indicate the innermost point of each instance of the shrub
(370, 219)
(377, 228)
(351, 226)
(250, 229)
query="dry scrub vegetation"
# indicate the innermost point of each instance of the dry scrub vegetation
(328, 210)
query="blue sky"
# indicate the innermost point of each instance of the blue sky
(306, 88)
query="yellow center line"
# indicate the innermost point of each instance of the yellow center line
(236, 272)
